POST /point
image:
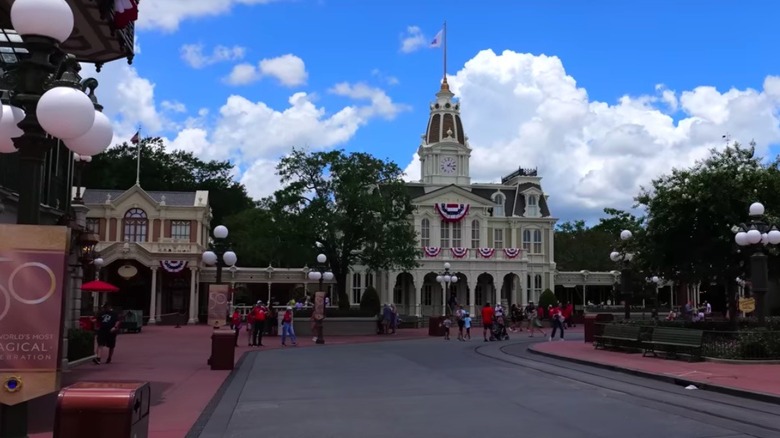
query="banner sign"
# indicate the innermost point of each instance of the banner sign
(319, 306)
(218, 304)
(33, 263)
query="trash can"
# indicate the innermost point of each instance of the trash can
(101, 409)
(223, 350)
(132, 321)
(434, 326)
(591, 327)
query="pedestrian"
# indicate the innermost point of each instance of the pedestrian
(556, 315)
(250, 326)
(534, 323)
(516, 318)
(287, 327)
(467, 324)
(259, 326)
(461, 323)
(235, 323)
(567, 310)
(446, 323)
(488, 315)
(108, 326)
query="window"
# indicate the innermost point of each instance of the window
(369, 279)
(93, 225)
(427, 297)
(475, 234)
(498, 238)
(533, 206)
(425, 232)
(527, 242)
(498, 208)
(136, 225)
(457, 233)
(537, 247)
(534, 286)
(445, 234)
(538, 283)
(180, 230)
(356, 289)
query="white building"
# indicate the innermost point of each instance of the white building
(497, 237)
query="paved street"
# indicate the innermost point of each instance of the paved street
(432, 388)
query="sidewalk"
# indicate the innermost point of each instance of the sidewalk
(173, 360)
(756, 381)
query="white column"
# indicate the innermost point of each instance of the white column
(418, 285)
(472, 284)
(268, 301)
(497, 290)
(444, 293)
(153, 298)
(193, 299)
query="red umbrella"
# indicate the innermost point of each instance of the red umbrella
(99, 286)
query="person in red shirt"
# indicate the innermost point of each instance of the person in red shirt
(556, 315)
(260, 313)
(488, 315)
(250, 324)
(568, 314)
(235, 322)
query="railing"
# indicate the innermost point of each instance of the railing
(473, 254)
(157, 247)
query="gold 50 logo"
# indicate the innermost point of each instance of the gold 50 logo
(16, 290)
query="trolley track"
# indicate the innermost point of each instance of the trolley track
(743, 416)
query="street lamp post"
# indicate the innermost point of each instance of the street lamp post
(446, 279)
(320, 273)
(623, 258)
(46, 102)
(756, 236)
(80, 162)
(655, 281)
(220, 253)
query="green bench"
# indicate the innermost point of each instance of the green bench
(670, 341)
(618, 335)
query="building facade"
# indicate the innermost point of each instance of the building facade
(151, 244)
(497, 237)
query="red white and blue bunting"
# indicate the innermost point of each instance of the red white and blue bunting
(452, 212)
(486, 252)
(511, 253)
(459, 252)
(173, 266)
(431, 251)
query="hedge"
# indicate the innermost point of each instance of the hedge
(81, 344)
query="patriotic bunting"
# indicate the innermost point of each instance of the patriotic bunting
(173, 266)
(459, 253)
(511, 253)
(486, 252)
(452, 212)
(431, 251)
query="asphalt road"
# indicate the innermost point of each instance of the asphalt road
(432, 388)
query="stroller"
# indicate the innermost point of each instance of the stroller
(498, 331)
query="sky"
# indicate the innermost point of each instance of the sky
(600, 96)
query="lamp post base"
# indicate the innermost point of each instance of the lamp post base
(13, 421)
(627, 311)
(319, 331)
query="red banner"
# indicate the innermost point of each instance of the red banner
(33, 262)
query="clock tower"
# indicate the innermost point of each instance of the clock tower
(444, 151)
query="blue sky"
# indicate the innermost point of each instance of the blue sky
(594, 151)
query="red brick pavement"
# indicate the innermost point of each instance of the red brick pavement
(174, 362)
(757, 378)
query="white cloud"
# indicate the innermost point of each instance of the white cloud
(524, 110)
(166, 15)
(413, 39)
(381, 104)
(289, 70)
(389, 80)
(173, 106)
(193, 55)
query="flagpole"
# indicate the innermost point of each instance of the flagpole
(138, 160)
(444, 37)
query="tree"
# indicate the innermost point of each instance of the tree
(356, 205)
(578, 247)
(162, 170)
(370, 301)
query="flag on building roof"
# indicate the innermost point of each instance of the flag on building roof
(437, 39)
(136, 138)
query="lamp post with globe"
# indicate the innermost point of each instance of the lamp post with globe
(320, 273)
(220, 253)
(655, 281)
(623, 259)
(446, 279)
(756, 236)
(47, 101)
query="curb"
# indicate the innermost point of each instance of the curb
(752, 395)
(79, 362)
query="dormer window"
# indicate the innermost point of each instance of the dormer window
(532, 205)
(500, 201)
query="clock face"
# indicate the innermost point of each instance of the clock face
(448, 165)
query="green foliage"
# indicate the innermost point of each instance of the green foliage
(356, 205)
(81, 344)
(370, 302)
(168, 171)
(547, 298)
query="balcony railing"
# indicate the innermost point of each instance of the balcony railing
(187, 248)
(474, 254)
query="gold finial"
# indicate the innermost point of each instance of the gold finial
(444, 85)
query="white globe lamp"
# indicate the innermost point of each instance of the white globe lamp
(774, 237)
(99, 262)
(65, 112)
(230, 258)
(656, 279)
(328, 276)
(741, 238)
(625, 235)
(753, 236)
(454, 279)
(96, 140)
(439, 278)
(614, 256)
(48, 18)
(446, 266)
(315, 276)
(321, 258)
(221, 232)
(209, 258)
(447, 278)
(756, 209)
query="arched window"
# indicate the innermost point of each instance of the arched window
(457, 234)
(425, 232)
(537, 248)
(475, 233)
(532, 209)
(538, 283)
(136, 225)
(527, 244)
(498, 209)
(445, 234)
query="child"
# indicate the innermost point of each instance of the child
(446, 324)
(467, 324)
